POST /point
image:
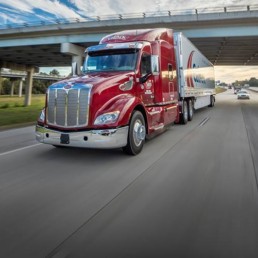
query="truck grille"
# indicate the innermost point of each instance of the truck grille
(68, 108)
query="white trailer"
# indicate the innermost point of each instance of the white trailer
(196, 81)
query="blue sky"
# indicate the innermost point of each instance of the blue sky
(29, 11)
(20, 11)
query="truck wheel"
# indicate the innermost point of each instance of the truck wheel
(212, 101)
(184, 114)
(190, 109)
(136, 134)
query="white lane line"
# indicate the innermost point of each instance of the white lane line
(24, 148)
(204, 121)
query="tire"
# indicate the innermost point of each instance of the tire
(59, 146)
(136, 134)
(212, 101)
(190, 109)
(184, 114)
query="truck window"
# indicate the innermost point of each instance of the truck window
(145, 64)
(155, 64)
(119, 60)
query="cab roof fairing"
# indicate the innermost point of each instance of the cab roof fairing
(139, 35)
(127, 45)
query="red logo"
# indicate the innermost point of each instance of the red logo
(68, 86)
(189, 77)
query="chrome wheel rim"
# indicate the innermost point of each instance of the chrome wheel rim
(190, 109)
(139, 132)
(185, 111)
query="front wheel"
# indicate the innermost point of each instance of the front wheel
(136, 134)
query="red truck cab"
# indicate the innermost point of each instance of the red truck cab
(128, 91)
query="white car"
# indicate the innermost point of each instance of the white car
(243, 94)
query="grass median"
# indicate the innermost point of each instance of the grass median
(14, 113)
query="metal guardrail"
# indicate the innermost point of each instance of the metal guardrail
(164, 13)
(36, 75)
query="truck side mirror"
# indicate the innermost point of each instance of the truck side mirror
(144, 78)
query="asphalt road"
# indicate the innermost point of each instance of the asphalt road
(192, 192)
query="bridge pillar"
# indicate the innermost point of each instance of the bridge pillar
(28, 89)
(20, 86)
(12, 87)
(77, 53)
(1, 81)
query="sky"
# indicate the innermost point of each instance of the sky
(21, 11)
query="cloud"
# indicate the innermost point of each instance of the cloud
(19, 11)
(55, 8)
(9, 18)
(21, 6)
(27, 7)
(230, 74)
(27, 10)
(104, 7)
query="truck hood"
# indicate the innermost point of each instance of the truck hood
(98, 81)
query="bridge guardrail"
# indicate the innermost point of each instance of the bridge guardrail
(24, 74)
(163, 13)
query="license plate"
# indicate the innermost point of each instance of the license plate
(64, 138)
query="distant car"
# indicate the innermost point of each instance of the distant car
(243, 94)
(236, 91)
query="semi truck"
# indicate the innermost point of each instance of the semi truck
(134, 84)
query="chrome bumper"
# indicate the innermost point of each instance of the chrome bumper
(99, 139)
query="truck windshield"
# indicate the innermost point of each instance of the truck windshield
(118, 60)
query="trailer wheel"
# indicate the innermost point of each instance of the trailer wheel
(136, 134)
(212, 103)
(184, 114)
(190, 109)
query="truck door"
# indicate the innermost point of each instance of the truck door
(171, 83)
(146, 77)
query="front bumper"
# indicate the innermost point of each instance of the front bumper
(99, 139)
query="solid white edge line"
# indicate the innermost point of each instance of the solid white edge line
(24, 148)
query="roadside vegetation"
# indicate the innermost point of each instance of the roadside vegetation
(13, 111)
(252, 82)
(219, 90)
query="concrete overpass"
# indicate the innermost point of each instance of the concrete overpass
(21, 77)
(226, 35)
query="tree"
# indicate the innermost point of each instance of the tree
(40, 86)
(253, 81)
(54, 72)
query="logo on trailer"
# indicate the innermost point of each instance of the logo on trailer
(189, 77)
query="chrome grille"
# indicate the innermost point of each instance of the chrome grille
(68, 108)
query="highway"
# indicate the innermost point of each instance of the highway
(192, 192)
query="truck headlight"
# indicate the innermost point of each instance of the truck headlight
(107, 118)
(42, 116)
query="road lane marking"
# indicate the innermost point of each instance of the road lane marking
(204, 121)
(24, 148)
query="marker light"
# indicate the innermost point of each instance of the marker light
(42, 116)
